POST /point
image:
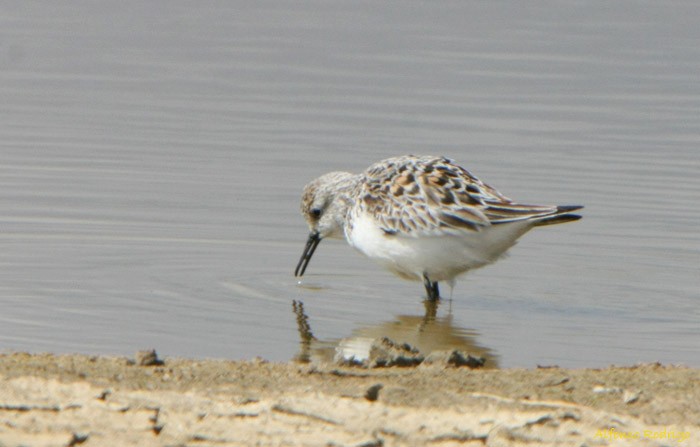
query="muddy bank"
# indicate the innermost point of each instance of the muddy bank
(48, 400)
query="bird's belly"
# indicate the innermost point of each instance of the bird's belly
(441, 257)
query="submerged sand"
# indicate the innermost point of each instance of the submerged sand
(66, 400)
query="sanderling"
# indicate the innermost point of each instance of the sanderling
(421, 217)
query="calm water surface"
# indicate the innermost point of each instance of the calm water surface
(152, 156)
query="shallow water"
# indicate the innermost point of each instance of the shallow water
(152, 157)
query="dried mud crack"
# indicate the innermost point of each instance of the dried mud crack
(48, 400)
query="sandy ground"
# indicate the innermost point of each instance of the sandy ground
(49, 400)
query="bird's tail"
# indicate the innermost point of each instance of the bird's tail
(562, 214)
(538, 215)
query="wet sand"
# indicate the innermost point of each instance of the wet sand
(51, 400)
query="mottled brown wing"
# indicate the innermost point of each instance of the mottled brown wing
(429, 195)
(426, 195)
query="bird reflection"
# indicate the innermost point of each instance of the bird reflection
(428, 332)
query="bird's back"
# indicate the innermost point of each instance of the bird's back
(420, 215)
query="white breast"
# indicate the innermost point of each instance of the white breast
(441, 257)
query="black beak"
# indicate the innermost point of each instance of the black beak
(309, 250)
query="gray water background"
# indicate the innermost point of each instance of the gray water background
(152, 156)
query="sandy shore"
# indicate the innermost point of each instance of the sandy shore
(49, 400)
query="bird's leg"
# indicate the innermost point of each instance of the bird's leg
(431, 288)
(428, 285)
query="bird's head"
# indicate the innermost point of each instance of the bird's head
(325, 204)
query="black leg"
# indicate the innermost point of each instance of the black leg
(431, 288)
(427, 284)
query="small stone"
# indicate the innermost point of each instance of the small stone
(77, 438)
(453, 358)
(372, 443)
(372, 392)
(385, 352)
(605, 390)
(148, 358)
(630, 397)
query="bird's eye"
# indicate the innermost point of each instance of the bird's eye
(316, 212)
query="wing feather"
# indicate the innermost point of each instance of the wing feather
(426, 195)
